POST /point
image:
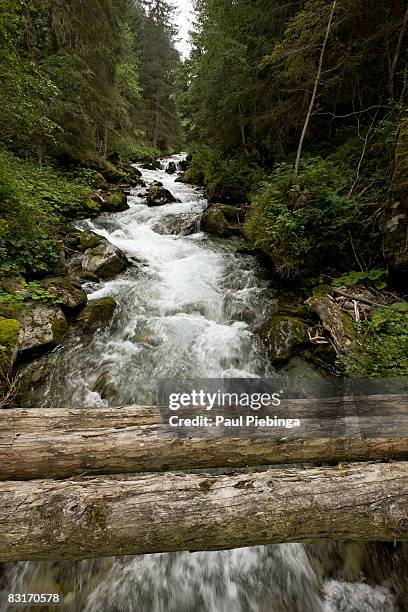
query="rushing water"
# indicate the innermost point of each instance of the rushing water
(187, 308)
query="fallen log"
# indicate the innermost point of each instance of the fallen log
(58, 443)
(105, 516)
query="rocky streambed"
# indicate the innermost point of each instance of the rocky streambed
(147, 294)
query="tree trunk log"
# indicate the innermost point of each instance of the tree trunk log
(105, 516)
(59, 443)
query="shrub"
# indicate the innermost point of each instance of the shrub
(32, 201)
(227, 179)
(312, 225)
(381, 347)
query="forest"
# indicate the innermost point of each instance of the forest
(236, 210)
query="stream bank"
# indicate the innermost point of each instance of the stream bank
(188, 304)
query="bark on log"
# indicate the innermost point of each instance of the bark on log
(105, 516)
(58, 443)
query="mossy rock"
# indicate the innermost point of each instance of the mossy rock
(97, 314)
(9, 331)
(89, 240)
(115, 202)
(284, 336)
(42, 327)
(215, 223)
(91, 208)
(100, 181)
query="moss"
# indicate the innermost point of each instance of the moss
(89, 240)
(9, 330)
(59, 328)
(214, 222)
(115, 202)
(283, 336)
(100, 181)
(97, 313)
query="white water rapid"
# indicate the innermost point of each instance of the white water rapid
(187, 308)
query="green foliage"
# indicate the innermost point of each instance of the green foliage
(313, 225)
(40, 294)
(248, 82)
(32, 199)
(227, 179)
(381, 348)
(369, 277)
(75, 78)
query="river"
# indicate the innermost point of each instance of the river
(187, 308)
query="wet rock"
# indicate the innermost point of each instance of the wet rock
(97, 314)
(171, 168)
(182, 225)
(152, 164)
(115, 202)
(158, 196)
(135, 171)
(42, 327)
(215, 223)
(104, 260)
(105, 385)
(68, 293)
(283, 336)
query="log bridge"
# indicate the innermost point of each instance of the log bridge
(82, 483)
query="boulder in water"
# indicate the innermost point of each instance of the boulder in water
(158, 196)
(152, 164)
(283, 336)
(171, 168)
(182, 225)
(42, 327)
(115, 202)
(97, 313)
(105, 385)
(104, 260)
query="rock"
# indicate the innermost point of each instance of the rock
(182, 225)
(60, 266)
(97, 313)
(9, 334)
(338, 325)
(158, 196)
(283, 336)
(100, 181)
(89, 240)
(42, 327)
(135, 171)
(152, 164)
(115, 202)
(105, 385)
(104, 260)
(215, 223)
(70, 295)
(394, 222)
(112, 175)
(171, 168)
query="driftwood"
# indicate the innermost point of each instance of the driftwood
(337, 324)
(104, 516)
(59, 443)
